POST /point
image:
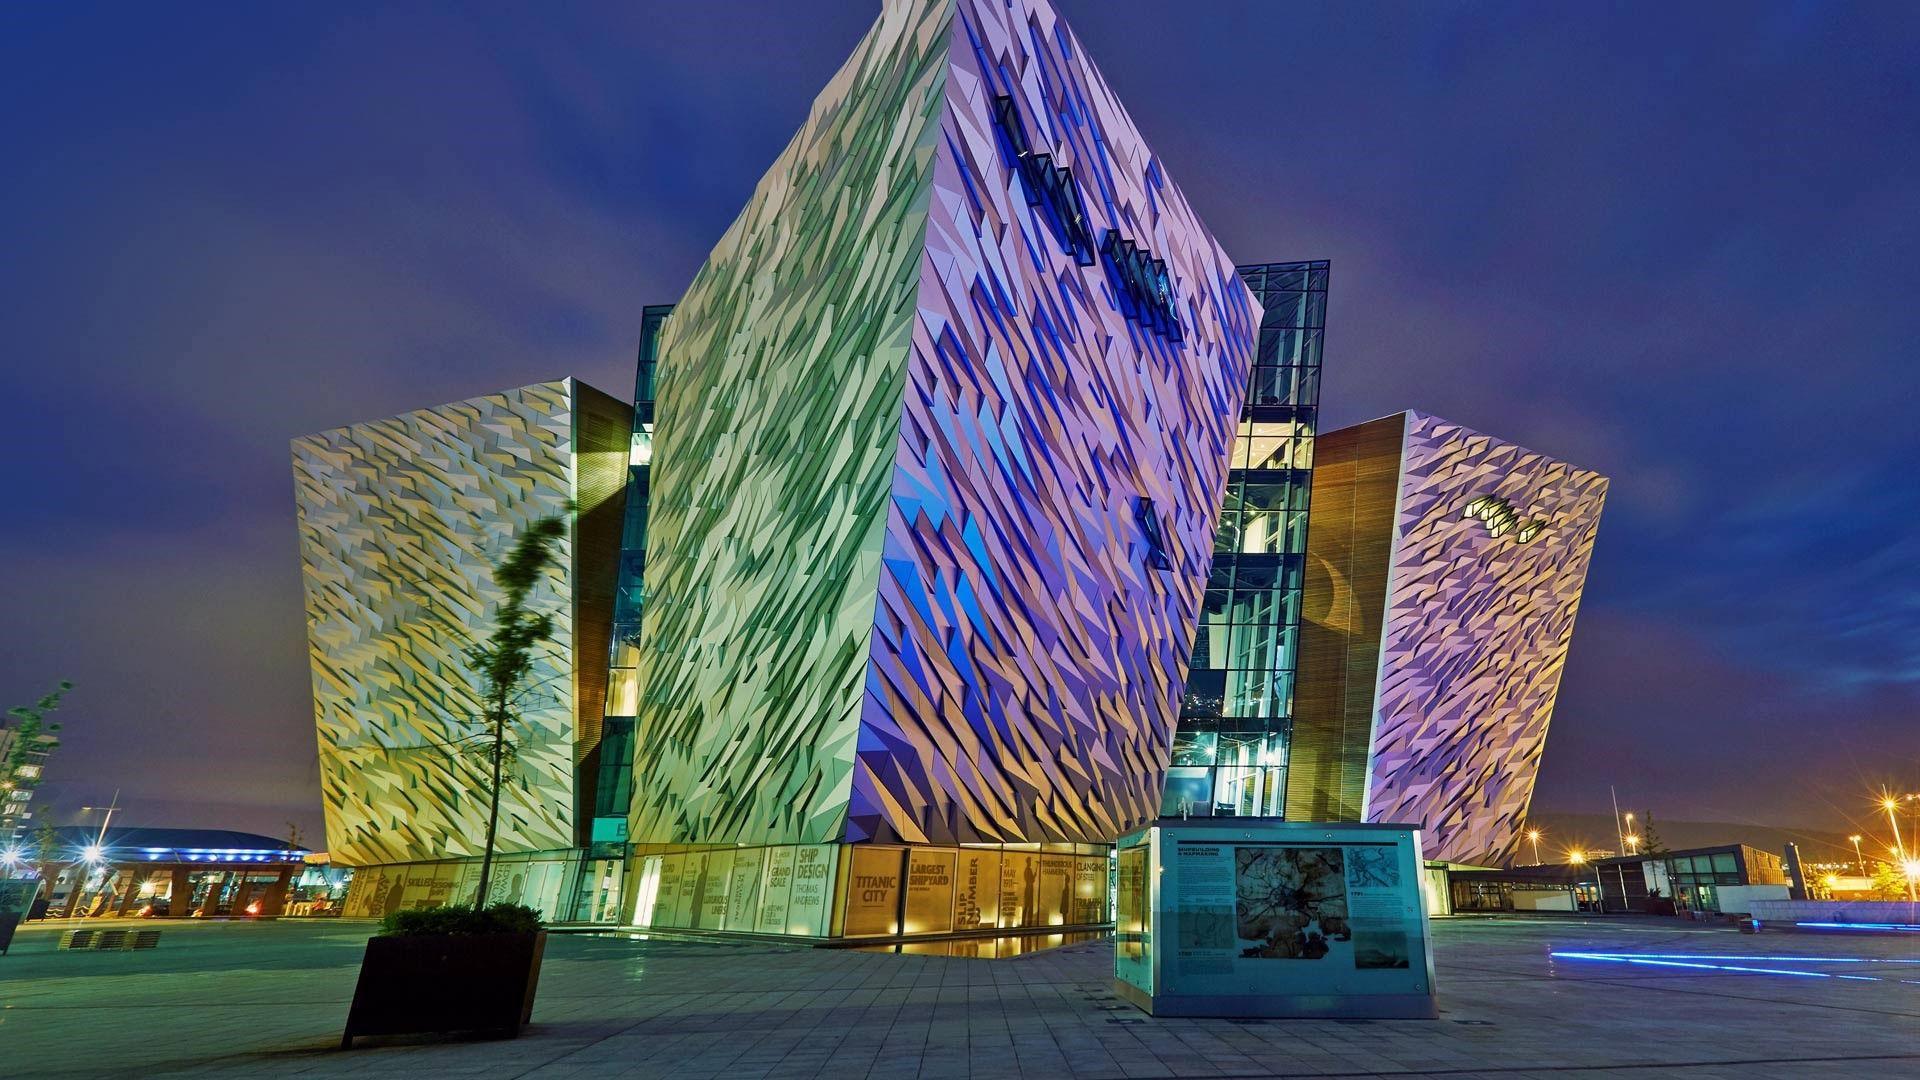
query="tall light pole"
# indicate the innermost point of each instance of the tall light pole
(101, 840)
(1619, 833)
(96, 854)
(1892, 807)
(1859, 860)
(1534, 836)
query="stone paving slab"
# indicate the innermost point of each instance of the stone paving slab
(256, 999)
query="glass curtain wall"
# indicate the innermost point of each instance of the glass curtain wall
(1230, 751)
(615, 780)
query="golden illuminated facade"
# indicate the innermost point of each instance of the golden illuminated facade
(401, 522)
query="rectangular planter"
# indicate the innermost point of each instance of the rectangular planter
(480, 983)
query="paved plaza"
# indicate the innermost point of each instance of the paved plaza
(259, 999)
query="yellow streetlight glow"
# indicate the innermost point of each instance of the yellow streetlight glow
(1576, 857)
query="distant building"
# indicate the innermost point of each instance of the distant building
(1724, 878)
(23, 763)
(176, 872)
(1444, 569)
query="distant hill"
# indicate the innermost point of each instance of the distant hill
(1596, 830)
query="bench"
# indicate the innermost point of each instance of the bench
(100, 940)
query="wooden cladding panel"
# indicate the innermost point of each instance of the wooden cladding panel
(1349, 550)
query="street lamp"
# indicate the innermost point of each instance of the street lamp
(101, 840)
(1892, 805)
(1577, 858)
(1858, 859)
(1534, 836)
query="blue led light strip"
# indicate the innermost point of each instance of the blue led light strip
(1904, 928)
(1650, 960)
(1626, 959)
(1717, 956)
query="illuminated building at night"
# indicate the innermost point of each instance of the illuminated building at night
(1444, 570)
(401, 521)
(23, 762)
(959, 525)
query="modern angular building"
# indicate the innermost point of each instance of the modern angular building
(401, 521)
(941, 429)
(959, 525)
(1444, 570)
(23, 762)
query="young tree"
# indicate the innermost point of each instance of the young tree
(46, 856)
(1889, 881)
(31, 727)
(503, 661)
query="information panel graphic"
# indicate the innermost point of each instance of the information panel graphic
(1273, 918)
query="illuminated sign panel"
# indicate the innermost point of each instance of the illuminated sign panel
(1501, 518)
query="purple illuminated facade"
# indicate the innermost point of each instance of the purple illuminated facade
(1059, 469)
(1445, 569)
(942, 431)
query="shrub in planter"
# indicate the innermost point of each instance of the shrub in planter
(449, 969)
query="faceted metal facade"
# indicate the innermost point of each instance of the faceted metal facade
(944, 424)
(401, 521)
(1437, 632)
(1229, 755)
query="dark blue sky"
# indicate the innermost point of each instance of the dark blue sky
(1671, 242)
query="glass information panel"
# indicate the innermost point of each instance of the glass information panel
(873, 892)
(743, 889)
(1019, 887)
(1273, 919)
(812, 896)
(929, 891)
(773, 903)
(710, 903)
(693, 878)
(976, 896)
(1131, 939)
